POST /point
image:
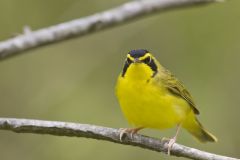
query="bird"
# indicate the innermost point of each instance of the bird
(150, 96)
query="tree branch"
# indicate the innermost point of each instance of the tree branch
(99, 21)
(102, 133)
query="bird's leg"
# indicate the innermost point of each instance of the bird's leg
(173, 140)
(131, 131)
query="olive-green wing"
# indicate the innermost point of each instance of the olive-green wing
(177, 88)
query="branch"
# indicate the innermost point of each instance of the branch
(99, 21)
(102, 133)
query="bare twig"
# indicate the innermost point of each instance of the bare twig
(79, 27)
(102, 133)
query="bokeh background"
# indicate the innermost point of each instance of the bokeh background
(75, 80)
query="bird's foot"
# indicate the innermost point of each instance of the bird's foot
(171, 141)
(130, 131)
(170, 144)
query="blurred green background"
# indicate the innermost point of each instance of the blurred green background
(74, 80)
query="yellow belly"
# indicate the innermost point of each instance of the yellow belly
(146, 105)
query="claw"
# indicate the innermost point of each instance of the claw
(122, 132)
(165, 139)
(131, 131)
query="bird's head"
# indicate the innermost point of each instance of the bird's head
(140, 63)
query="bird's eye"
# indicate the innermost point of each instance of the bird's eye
(129, 61)
(147, 60)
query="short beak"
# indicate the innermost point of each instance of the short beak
(136, 60)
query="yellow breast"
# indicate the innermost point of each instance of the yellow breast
(147, 104)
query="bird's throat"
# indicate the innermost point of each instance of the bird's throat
(139, 72)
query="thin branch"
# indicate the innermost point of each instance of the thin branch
(99, 21)
(102, 133)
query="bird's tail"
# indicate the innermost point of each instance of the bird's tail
(197, 130)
